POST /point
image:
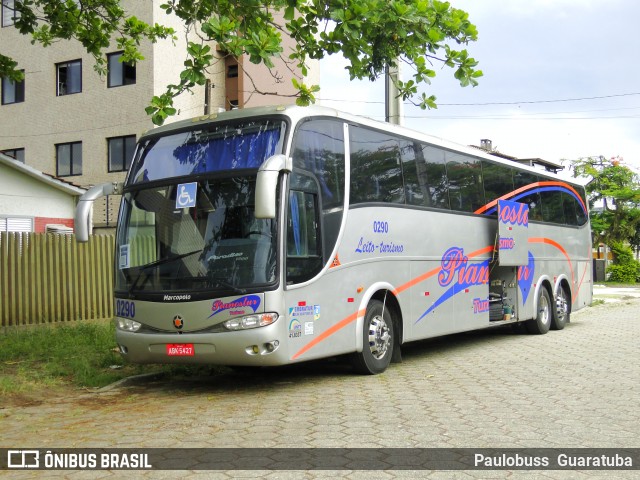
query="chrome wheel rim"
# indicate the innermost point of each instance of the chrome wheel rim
(379, 337)
(543, 310)
(562, 305)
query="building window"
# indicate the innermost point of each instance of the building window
(69, 159)
(9, 14)
(12, 92)
(120, 73)
(121, 152)
(15, 153)
(232, 71)
(69, 75)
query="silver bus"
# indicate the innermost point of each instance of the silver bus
(283, 234)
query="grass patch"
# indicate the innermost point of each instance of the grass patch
(38, 359)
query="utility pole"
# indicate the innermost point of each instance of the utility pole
(393, 103)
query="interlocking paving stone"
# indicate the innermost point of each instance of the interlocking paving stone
(578, 387)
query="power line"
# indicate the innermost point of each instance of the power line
(484, 104)
(578, 99)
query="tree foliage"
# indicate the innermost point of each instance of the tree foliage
(614, 199)
(370, 34)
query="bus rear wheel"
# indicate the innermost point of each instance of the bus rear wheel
(378, 340)
(541, 324)
(562, 311)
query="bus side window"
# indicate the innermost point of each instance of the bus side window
(498, 180)
(304, 258)
(465, 182)
(376, 174)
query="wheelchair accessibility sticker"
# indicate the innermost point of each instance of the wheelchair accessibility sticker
(186, 195)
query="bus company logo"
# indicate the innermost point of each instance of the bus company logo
(458, 274)
(525, 277)
(178, 322)
(514, 213)
(456, 268)
(242, 304)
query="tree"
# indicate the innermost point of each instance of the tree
(370, 34)
(614, 190)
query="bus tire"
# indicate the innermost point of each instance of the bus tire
(541, 324)
(378, 340)
(562, 311)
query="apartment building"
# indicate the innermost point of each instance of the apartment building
(66, 120)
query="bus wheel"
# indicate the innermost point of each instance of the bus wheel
(378, 341)
(540, 325)
(562, 311)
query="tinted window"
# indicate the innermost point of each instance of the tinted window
(498, 180)
(304, 255)
(526, 181)
(465, 182)
(319, 149)
(376, 175)
(218, 147)
(552, 206)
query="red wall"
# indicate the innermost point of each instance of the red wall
(40, 223)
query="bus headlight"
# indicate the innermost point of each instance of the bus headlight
(251, 321)
(128, 325)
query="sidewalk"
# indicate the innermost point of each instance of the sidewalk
(614, 294)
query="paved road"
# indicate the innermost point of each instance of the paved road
(575, 388)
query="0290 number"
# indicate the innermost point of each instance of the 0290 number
(125, 308)
(380, 227)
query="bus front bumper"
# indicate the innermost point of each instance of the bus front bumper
(254, 347)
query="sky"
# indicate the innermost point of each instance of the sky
(538, 58)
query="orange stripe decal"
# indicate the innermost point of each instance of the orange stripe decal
(555, 244)
(330, 331)
(351, 318)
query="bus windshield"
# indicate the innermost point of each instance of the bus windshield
(212, 242)
(212, 148)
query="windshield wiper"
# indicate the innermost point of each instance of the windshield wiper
(143, 268)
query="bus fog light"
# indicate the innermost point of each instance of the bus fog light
(251, 321)
(128, 325)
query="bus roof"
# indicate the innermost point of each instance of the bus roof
(296, 113)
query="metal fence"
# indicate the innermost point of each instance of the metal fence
(46, 278)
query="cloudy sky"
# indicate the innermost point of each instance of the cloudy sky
(561, 81)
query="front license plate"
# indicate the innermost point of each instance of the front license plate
(180, 350)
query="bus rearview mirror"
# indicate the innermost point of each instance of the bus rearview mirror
(267, 183)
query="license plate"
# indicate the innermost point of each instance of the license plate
(180, 350)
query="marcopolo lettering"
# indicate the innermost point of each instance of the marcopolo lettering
(176, 298)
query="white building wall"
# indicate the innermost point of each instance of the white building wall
(24, 196)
